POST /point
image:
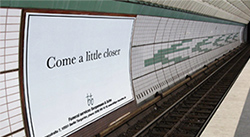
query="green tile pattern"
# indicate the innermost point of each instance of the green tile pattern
(236, 36)
(219, 40)
(160, 56)
(228, 38)
(199, 44)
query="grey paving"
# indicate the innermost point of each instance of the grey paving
(243, 128)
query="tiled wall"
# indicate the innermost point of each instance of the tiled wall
(165, 50)
(11, 119)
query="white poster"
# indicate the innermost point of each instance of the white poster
(76, 70)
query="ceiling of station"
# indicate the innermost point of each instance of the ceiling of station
(234, 10)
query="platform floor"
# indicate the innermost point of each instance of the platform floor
(232, 118)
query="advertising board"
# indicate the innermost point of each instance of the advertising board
(76, 70)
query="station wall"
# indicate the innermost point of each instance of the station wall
(11, 118)
(163, 51)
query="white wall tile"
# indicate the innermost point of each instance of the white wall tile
(3, 101)
(16, 119)
(13, 90)
(1, 60)
(3, 108)
(4, 124)
(3, 116)
(1, 52)
(14, 12)
(12, 35)
(17, 126)
(11, 43)
(2, 44)
(2, 93)
(2, 81)
(19, 134)
(14, 104)
(15, 112)
(2, 36)
(13, 20)
(11, 75)
(13, 28)
(4, 131)
(11, 58)
(12, 82)
(13, 97)
(3, 20)
(11, 50)
(3, 11)
(10, 66)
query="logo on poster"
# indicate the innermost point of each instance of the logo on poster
(90, 99)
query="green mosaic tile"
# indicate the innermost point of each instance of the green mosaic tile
(228, 38)
(218, 40)
(235, 36)
(199, 44)
(187, 40)
(160, 55)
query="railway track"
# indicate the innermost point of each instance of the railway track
(189, 115)
(186, 111)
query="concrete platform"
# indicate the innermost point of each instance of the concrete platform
(233, 116)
